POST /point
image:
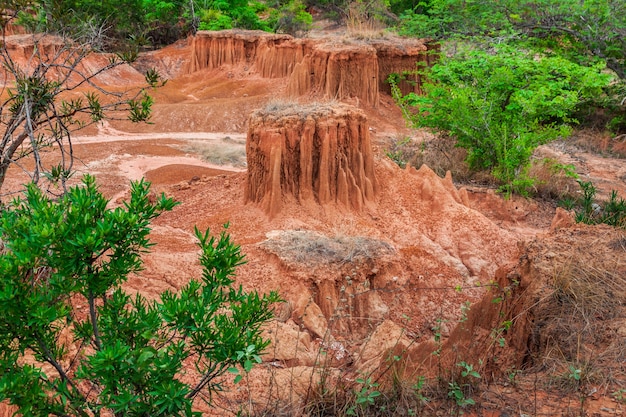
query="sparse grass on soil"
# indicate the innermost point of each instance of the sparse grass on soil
(599, 142)
(439, 153)
(552, 179)
(227, 151)
(278, 108)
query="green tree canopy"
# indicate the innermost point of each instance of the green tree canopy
(582, 30)
(501, 105)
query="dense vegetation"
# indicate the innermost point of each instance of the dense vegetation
(513, 75)
(157, 22)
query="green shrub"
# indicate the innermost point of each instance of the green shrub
(590, 211)
(500, 106)
(214, 20)
(74, 342)
(291, 18)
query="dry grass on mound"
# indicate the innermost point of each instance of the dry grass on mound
(599, 142)
(580, 324)
(279, 108)
(439, 153)
(312, 248)
(553, 180)
(227, 151)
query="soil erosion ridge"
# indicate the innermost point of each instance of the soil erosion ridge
(328, 67)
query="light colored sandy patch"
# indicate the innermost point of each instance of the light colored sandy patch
(135, 168)
(115, 135)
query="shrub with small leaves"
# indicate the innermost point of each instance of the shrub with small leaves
(501, 105)
(73, 342)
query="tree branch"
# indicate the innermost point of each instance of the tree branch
(214, 371)
(94, 322)
(62, 374)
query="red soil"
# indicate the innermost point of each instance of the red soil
(441, 236)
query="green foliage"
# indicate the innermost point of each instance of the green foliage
(291, 18)
(364, 397)
(215, 20)
(140, 109)
(620, 395)
(500, 106)
(163, 11)
(73, 342)
(157, 22)
(574, 373)
(441, 19)
(86, 19)
(590, 211)
(584, 32)
(455, 391)
(418, 388)
(581, 31)
(398, 152)
(460, 389)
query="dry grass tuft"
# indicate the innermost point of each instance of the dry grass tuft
(284, 108)
(439, 153)
(599, 142)
(227, 151)
(312, 248)
(367, 21)
(575, 332)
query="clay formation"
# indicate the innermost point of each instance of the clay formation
(324, 67)
(316, 153)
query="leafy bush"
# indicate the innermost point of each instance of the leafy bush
(583, 31)
(441, 19)
(501, 106)
(291, 18)
(74, 342)
(215, 20)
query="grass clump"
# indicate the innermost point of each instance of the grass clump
(286, 108)
(227, 151)
(552, 179)
(573, 334)
(312, 248)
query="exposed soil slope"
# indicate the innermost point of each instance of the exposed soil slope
(390, 277)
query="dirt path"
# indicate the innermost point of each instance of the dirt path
(117, 157)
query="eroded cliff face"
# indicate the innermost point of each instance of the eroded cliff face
(325, 68)
(27, 51)
(315, 153)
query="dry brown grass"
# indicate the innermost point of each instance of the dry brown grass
(313, 248)
(439, 153)
(602, 142)
(364, 20)
(283, 108)
(575, 325)
(226, 151)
